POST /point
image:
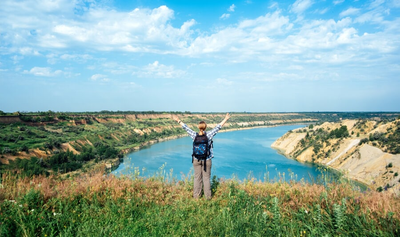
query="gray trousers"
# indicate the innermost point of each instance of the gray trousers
(201, 178)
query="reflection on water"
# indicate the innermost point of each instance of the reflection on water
(240, 154)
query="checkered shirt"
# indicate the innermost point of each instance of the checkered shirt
(210, 135)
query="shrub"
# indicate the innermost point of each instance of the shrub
(364, 140)
(339, 133)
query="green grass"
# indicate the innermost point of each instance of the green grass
(98, 205)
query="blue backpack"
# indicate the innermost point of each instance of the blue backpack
(201, 148)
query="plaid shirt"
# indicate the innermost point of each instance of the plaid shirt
(209, 134)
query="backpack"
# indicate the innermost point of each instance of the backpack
(201, 148)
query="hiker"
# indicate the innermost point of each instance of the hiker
(202, 163)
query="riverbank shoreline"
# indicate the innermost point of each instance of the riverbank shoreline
(359, 182)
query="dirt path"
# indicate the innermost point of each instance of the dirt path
(351, 145)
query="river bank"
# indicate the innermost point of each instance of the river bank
(355, 153)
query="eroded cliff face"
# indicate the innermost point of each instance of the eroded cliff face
(355, 154)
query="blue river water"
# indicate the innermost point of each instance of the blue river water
(241, 154)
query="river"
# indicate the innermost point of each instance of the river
(241, 154)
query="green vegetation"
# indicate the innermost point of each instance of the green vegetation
(49, 132)
(319, 138)
(339, 132)
(36, 201)
(62, 162)
(388, 141)
(98, 205)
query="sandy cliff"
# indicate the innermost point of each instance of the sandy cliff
(362, 161)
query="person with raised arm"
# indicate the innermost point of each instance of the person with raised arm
(202, 154)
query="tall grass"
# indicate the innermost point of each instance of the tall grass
(95, 204)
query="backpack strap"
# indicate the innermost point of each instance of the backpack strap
(193, 152)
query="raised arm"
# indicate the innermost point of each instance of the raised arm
(176, 118)
(227, 116)
(191, 133)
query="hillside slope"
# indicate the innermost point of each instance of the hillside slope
(364, 150)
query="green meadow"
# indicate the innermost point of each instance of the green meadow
(96, 204)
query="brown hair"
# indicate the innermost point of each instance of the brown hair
(202, 127)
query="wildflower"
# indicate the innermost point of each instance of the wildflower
(32, 210)
(306, 211)
(20, 205)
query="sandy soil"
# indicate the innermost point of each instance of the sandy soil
(364, 163)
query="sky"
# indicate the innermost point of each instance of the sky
(199, 56)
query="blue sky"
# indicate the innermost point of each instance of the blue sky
(200, 56)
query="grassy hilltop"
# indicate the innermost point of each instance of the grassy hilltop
(97, 205)
(53, 182)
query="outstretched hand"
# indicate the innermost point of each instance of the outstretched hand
(174, 117)
(227, 116)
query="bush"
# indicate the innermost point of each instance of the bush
(364, 140)
(339, 133)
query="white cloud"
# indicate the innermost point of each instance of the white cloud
(81, 58)
(347, 35)
(157, 70)
(301, 6)
(273, 5)
(350, 11)
(395, 3)
(99, 77)
(296, 67)
(224, 82)
(232, 8)
(271, 37)
(245, 39)
(17, 58)
(336, 2)
(43, 71)
(54, 24)
(118, 68)
(225, 16)
(376, 3)
(28, 51)
(322, 11)
(371, 16)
